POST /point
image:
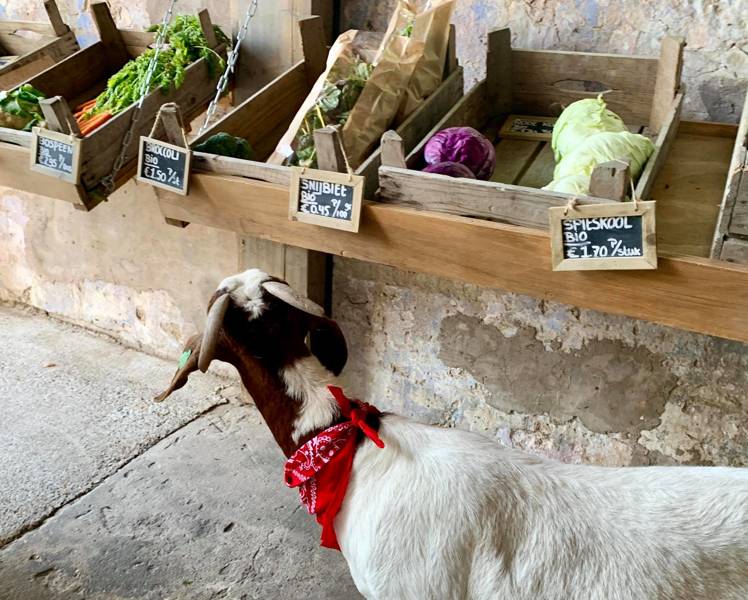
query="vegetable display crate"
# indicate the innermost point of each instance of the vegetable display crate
(26, 48)
(78, 79)
(534, 86)
(731, 233)
(263, 118)
(687, 292)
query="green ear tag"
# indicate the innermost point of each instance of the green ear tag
(184, 358)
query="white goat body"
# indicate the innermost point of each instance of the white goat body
(447, 515)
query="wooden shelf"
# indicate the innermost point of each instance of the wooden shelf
(686, 292)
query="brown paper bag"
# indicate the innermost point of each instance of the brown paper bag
(428, 22)
(381, 98)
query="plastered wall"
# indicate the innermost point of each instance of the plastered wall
(564, 382)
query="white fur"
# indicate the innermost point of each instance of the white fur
(307, 380)
(444, 514)
(449, 515)
(246, 290)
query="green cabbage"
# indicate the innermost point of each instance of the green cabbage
(578, 184)
(580, 120)
(602, 147)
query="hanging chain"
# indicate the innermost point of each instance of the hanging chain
(108, 181)
(230, 64)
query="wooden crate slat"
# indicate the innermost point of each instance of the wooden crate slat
(513, 157)
(735, 250)
(663, 143)
(540, 170)
(517, 205)
(543, 82)
(694, 294)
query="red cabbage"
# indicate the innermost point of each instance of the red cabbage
(452, 169)
(463, 145)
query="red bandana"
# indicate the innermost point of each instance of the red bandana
(321, 468)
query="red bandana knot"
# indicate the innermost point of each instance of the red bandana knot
(321, 468)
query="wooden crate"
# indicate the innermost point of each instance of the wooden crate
(643, 91)
(81, 77)
(26, 48)
(263, 118)
(731, 234)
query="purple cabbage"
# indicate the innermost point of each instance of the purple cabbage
(452, 169)
(462, 145)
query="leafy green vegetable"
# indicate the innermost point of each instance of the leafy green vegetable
(225, 144)
(19, 108)
(580, 120)
(186, 44)
(407, 31)
(333, 106)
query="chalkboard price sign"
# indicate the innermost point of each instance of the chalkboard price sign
(164, 165)
(604, 236)
(525, 127)
(326, 198)
(55, 154)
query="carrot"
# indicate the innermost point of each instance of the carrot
(94, 122)
(86, 106)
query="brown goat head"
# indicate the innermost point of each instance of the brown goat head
(261, 326)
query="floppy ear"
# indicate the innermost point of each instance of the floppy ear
(327, 343)
(187, 364)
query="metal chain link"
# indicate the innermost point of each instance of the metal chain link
(108, 181)
(230, 64)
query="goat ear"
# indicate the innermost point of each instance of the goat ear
(187, 364)
(213, 325)
(327, 343)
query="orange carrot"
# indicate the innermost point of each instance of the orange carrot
(94, 122)
(86, 106)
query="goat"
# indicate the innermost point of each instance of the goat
(447, 514)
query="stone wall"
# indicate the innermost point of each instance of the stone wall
(560, 381)
(716, 31)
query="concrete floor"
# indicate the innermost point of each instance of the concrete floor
(105, 495)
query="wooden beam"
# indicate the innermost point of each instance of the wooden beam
(315, 49)
(667, 83)
(109, 35)
(206, 25)
(53, 12)
(698, 295)
(330, 152)
(499, 71)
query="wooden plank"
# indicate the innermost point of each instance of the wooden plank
(326, 10)
(315, 49)
(499, 71)
(735, 178)
(485, 199)
(667, 83)
(544, 81)
(80, 71)
(540, 170)
(263, 254)
(260, 115)
(513, 157)
(206, 26)
(58, 116)
(689, 190)
(664, 142)
(55, 20)
(451, 64)
(735, 250)
(11, 27)
(115, 51)
(611, 180)
(225, 165)
(330, 152)
(699, 295)
(393, 150)
(739, 221)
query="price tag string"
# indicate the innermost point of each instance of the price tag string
(571, 204)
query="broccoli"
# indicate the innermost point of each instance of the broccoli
(225, 144)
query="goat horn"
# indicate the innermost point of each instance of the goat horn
(212, 330)
(285, 292)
